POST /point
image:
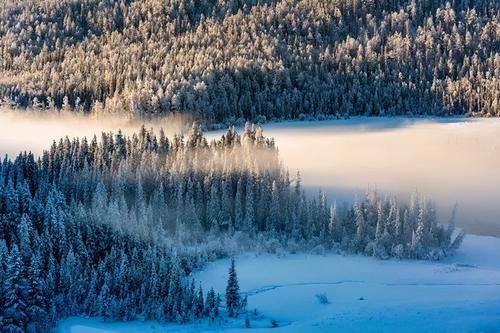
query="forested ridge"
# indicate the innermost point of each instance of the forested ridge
(114, 226)
(231, 60)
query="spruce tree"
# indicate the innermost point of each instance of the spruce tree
(334, 225)
(249, 222)
(210, 304)
(360, 222)
(36, 302)
(15, 291)
(232, 292)
(217, 305)
(199, 305)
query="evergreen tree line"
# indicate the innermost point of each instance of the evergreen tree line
(55, 263)
(229, 60)
(114, 227)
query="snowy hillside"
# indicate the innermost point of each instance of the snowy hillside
(461, 294)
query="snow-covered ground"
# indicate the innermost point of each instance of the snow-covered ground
(460, 294)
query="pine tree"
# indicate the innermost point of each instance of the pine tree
(232, 292)
(36, 303)
(249, 219)
(15, 291)
(210, 305)
(213, 209)
(273, 222)
(217, 306)
(226, 212)
(332, 225)
(380, 222)
(360, 222)
(379, 250)
(239, 214)
(200, 304)
(419, 239)
(24, 234)
(104, 302)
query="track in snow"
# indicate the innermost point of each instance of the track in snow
(264, 289)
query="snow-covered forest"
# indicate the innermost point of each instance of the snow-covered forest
(113, 227)
(134, 215)
(229, 61)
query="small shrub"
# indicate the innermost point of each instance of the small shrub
(322, 298)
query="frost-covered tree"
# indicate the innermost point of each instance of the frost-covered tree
(227, 61)
(15, 290)
(233, 298)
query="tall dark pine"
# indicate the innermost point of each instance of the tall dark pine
(199, 305)
(210, 304)
(14, 309)
(232, 292)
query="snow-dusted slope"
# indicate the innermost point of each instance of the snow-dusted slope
(461, 294)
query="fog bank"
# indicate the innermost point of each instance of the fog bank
(448, 161)
(35, 131)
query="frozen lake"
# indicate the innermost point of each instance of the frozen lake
(447, 160)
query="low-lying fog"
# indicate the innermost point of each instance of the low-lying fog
(446, 160)
(35, 131)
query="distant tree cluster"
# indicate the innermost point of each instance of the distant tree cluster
(228, 60)
(113, 227)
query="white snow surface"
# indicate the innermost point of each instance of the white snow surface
(459, 294)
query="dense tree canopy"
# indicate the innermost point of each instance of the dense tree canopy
(226, 60)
